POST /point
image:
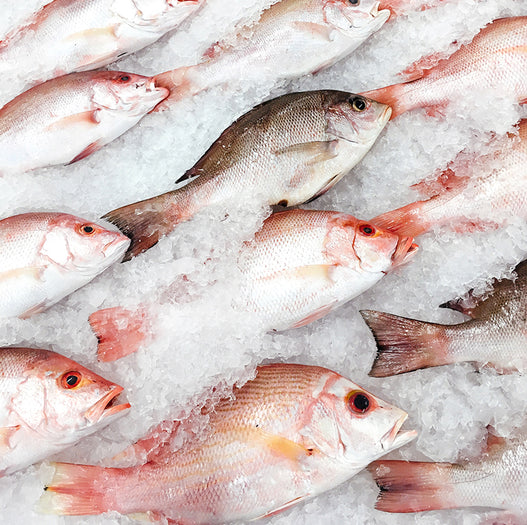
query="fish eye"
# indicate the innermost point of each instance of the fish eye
(124, 78)
(87, 229)
(354, 2)
(358, 104)
(367, 229)
(359, 402)
(70, 379)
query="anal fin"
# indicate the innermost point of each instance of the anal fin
(88, 150)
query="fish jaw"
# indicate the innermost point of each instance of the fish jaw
(394, 439)
(404, 251)
(105, 408)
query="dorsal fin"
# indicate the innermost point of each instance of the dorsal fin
(467, 306)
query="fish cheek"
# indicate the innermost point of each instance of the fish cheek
(29, 403)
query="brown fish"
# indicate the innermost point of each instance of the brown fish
(286, 151)
(496, 334)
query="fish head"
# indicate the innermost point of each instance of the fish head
(356, 18)
(354, 118)
(155, 16)
(62, 400)
(353, 426)
(364, 246)
(72, 244)
(133, 95)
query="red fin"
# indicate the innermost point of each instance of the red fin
(393, 96)
(314, 316)
(467, 306)
(408, 220)
(92, 148)
(120, 332)
(420, 67)
(494, 443)
(446, 181)
(405, 344)
(408, 486)
(178, 83)
(77, 490)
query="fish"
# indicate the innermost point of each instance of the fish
(68, 118)
(494, 61)
(303, 143)
(494, 336)
(472, 194)
(291, 433)
(67, 36)
(299, 267)
(291, 38)
(498, 480)
(46, 256)
(47, 403)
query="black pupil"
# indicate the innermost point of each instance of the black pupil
(88, 229)
(354, 2)
(125, 78)
(367, 230)
(72, 380)
(361, 402)
(359, 104)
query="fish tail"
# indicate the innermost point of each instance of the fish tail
(405, 344)
(409, 220)
(144, 223)
(120, 331)
(77, 490)
(408, 486)
(393, 96)
(180, 83)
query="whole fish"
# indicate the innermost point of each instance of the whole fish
(290, 434)
(286, 151)
(291, 38)
(66, 36)
(496, 480)
(469, 195)
(300, 266)
(47, 403)
(495, 335)
(46, 256)
(495, 61)
(69, 118)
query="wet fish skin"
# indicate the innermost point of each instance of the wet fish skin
(498, 479)
(46, 256)
(495, 61)
(292, 38)
(496, 334)
(469, 196)
(47, 403)
(68, 118)
(289, 434)
(67, 36)
(303, 143)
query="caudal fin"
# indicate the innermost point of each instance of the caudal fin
(408, 486)
(404, 344)
(144, 222)
(180, 82)
(120, 331)
(76, 490)
(408, 220)
(393, 96)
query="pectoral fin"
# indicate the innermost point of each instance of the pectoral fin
(282, 508)
(85, 117)
(281, 446)
(315, 271)
(29, 272)
(88, 150)
(316, 30)
(6, 433)
(313, 152)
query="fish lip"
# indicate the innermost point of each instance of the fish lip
(376, 11)
(394, 439)
(102, 409)
(114, 249)
(385, 116)
(404, 251)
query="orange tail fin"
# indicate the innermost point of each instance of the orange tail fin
(120, 332)
(404, 344)
(77, 490)
(393, 96)
(408, 486)
(408, 220)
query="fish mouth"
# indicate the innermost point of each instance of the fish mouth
(385, 115)
(377, 11)
(106, 406)
(404, 251)
(116, 248)
(394, 439)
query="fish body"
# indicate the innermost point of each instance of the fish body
(291, 433)
(286, 151)
(68, 118)
(496, 480)
(46, 256)
(495, 335)
(300, 266)
(47, 403)
(291, 38)
(470, 196)
(495, 61)
(68, 36)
